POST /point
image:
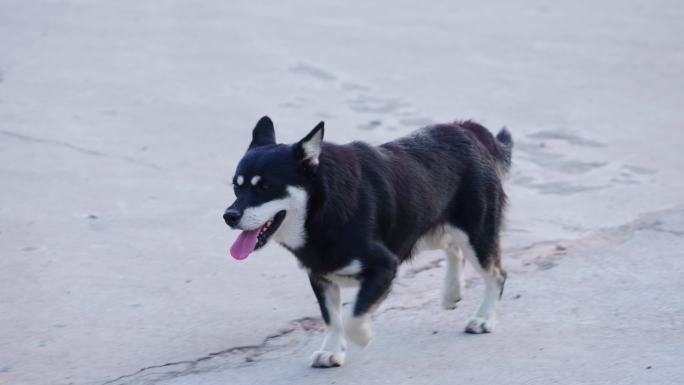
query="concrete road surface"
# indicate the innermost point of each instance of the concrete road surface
(121, 123)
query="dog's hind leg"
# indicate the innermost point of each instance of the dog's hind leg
(489, 267)
(379, 269)
(484, 320)
(453, 281)
(332, 352)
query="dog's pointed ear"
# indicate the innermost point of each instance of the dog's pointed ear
(263, 133)
(308, 149)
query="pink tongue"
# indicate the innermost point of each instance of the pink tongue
(244, 244)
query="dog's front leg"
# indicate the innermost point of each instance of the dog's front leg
(332, 352)
(378, 272)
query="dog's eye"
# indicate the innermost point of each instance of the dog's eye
(263, 186)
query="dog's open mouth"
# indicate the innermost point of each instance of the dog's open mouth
(250, 240)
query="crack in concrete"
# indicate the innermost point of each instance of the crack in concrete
(545, 255)
(82, 150)
(305, 324)
(399, 308)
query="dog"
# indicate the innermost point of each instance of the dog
(352, 213)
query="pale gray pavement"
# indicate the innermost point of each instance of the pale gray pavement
(121, 122)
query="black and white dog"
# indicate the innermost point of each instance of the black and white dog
(352, 213)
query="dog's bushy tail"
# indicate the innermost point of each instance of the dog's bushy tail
(505, 153)
(500, 147)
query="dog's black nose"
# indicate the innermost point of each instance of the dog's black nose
(232, 217)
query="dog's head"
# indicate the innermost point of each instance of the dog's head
(270, 185)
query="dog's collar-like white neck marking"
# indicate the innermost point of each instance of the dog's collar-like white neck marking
(291, 232)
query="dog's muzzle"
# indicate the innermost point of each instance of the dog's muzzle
(232, 217)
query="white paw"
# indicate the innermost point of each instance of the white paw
(326, 359)
(358, 330)
(479, 325)
(450, 300)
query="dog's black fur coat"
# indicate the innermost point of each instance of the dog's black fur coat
(373, 203)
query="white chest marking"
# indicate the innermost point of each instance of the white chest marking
(353, 268)
(346, 276)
